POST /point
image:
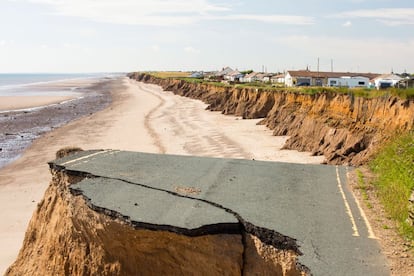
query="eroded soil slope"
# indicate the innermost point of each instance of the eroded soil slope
(67, 237)
(343, 128)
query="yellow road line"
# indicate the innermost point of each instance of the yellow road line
(371, 234)
(347, 207)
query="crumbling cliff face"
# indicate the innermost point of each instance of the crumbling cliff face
(66, 236)
(343, 128)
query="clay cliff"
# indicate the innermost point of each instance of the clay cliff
(344, 128)
(67, 235)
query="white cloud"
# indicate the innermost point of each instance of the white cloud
(132, 12)
(2, 43)
(190, 49)
(347, 24)
(160, 12)
(391, 17)
(275, 18)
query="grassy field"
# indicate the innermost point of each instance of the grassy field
(394, 168)
(169, 74)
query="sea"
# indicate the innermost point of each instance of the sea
(12, 84)
(19, 128)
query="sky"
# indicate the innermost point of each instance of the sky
(75, 36)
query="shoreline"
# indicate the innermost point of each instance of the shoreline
(31, 116)
(27, 103)
(141, 117)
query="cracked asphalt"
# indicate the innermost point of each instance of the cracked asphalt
(310, 205)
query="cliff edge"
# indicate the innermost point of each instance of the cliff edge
(109, 212)
(344, 128)
(73, 233)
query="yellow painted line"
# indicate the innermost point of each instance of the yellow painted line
(347, 207)
(371, 234)
(85, 157)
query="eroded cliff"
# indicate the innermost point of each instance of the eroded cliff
(69, 235)
(344, 128)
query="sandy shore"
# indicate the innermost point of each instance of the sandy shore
(141, 118)
(22, 102)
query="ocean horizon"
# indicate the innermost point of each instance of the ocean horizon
(9, 79)
(22, 84)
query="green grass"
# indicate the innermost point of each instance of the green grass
(362, 185)
(202, 81)
(394, 168)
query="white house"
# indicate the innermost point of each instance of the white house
(252, 77)
(312, 78)
(267, 77)
(278, 79)
(346, 81)
(234, 76)
(225, 71)
(387, 80)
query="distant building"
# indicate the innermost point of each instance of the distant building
(234, 76)
(350, 82)
(267, 77)
(197, 75)
(312, 78)
(225, 71)
(407, 82)
(252, 77)
(278, 79)
(386, 81)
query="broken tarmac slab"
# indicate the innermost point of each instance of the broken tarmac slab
(306, 208)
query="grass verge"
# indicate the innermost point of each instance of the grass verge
(394, 169)
(362, 185)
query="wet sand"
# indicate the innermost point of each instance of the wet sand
(141, 117)
(41, 114)
(25, 102)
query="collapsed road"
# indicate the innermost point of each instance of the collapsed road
(304, 209)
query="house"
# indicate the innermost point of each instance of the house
(267, 77)
(407, 82)
(252, 77)
(261, 76)
(312, 78)
(351, 82)
(234, 76)
(220, 75)
(386, 81)
(197, 75)
(278, 79)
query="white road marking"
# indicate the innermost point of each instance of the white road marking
(371, 234)
(347, 207)
(85, 157)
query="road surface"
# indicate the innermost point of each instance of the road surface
(310, 205)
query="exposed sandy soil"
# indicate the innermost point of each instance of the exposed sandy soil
(141, 118)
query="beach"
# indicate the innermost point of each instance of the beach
(141, 117)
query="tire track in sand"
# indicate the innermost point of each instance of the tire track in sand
(148, 118)
(186, 128)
